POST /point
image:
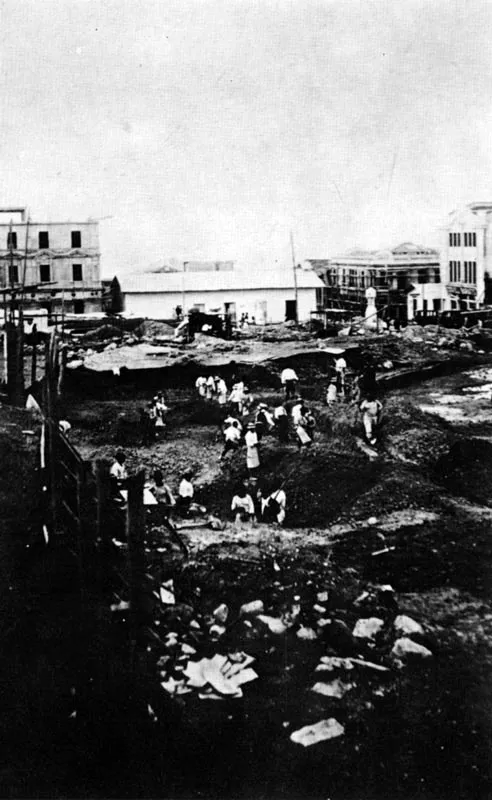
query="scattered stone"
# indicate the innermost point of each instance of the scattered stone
(367, 628)
(331, 663)
(322, 597)
(253, 608)
(221, 613)
(405, 648)
(407, 625)
(319, 609)
(274, 624)
(319, 732)
(306, 634)
(336, 688)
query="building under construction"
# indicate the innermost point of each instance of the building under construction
(393, 273)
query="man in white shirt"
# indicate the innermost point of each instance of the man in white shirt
(232, 437)
(296, 413)
(340, 369)
(289, 381)
(186, 492)
(243, 506)
(118, 469)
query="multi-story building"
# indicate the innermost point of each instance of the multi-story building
(466, 256)
(394, 273)
(58, 263)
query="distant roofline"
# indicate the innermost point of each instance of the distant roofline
(32, 222)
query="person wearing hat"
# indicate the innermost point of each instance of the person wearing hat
(281, 423)
(289, 381)
(263, 421)
(252, 449)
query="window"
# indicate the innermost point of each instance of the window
(78, 306)
(414, 307)
(474, 239)
(423, 276)
(436, 304)
(451, 240)
(470, 239)
(455, 239)
(424, 306)
(76, 272)
(12, 240)
(44, 273)
(470, 272)
(13, 273)
(76, 240)
(43, 240)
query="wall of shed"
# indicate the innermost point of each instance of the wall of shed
(266, 305)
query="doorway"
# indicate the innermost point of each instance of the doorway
(290, 310)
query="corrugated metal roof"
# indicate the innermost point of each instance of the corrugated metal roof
(217, 281)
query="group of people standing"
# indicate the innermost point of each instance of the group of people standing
(212, 388)
(152, 418)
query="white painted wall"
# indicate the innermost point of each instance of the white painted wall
(266, 305)
(428, 292)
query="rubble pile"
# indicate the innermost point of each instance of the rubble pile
(346, 656)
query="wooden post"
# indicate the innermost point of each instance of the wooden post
(103, 534)
(34, 354)
(135, 532)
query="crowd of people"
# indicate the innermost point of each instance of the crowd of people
(245, 424)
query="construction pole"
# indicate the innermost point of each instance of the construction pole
(135, 532)
(34, 353)
(294, 268)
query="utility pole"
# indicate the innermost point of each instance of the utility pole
(294, 267)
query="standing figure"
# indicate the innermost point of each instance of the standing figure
(186, 492)
(340, 370)
(371, 409)
(252, 449)
(210, 388)
(302, 430)
(242, 506)
(201, 385)
(296, 411)
(232, 438)
(221, 389)
(289, 381)
(331, 392)
(162, 492)
(236, 397)
(273, 507)
(281, 423)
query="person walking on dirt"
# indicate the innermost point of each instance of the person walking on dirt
(340, 370)
(232, 439)
(162, 492)
(201, 386)
(242, 506)
(331, 392)
(210, 388)
(221, 388)
(236, 397)
(118, 470)
(281, 423)
(302, 430)
(296, 412)
(186, 492)
(273, 507)
(371, 409)
(289, 381)
(252, 449)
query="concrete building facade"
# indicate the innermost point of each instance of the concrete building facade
(266, 295)
(466, 256)
(58, 262)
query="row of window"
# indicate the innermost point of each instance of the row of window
(469, 239)
(43, 239)
(44, 273)
(469, 272)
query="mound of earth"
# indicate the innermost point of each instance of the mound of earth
(152, 328)
(463, 467)
(101, 333)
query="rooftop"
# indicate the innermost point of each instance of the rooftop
(220, 280)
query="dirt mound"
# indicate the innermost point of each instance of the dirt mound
(154, 329)
(463, 467)
(101, 333)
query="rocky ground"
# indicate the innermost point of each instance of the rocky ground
(415, 517)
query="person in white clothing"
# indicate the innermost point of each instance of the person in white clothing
(210, 387)
(186, 492)
(371, 409)
(201, 385)
(296, 413)
(221, 389)
(252, 450)
(242, 506)
(232, 438)
(118, 473)
(331, 393)
(289, 381)
(340, 370)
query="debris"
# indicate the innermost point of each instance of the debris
(404, 624)
(334, 689)
(405, 648)
(322, 597)
(167, 593)
(221, 613)
(368, 628)
(253, 608)
(306, 634)
(330, 663)
(372, 521)
(123, 605)
(369, 664)
(319, 732)
(216, 631)
(319, 609)
(385, 550)
(274, 624)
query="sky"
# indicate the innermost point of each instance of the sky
(202, 129)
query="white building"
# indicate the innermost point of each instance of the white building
(266, 295)
(466, 256)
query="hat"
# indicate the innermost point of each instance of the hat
(251, 426)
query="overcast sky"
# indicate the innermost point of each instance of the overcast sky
(208, 129)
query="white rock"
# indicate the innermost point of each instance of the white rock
(273, 623)
(335, 688)
(404, 648)
(252, 609)
(367, 628)
(404, 624)
(319, 732)
(307, 634)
